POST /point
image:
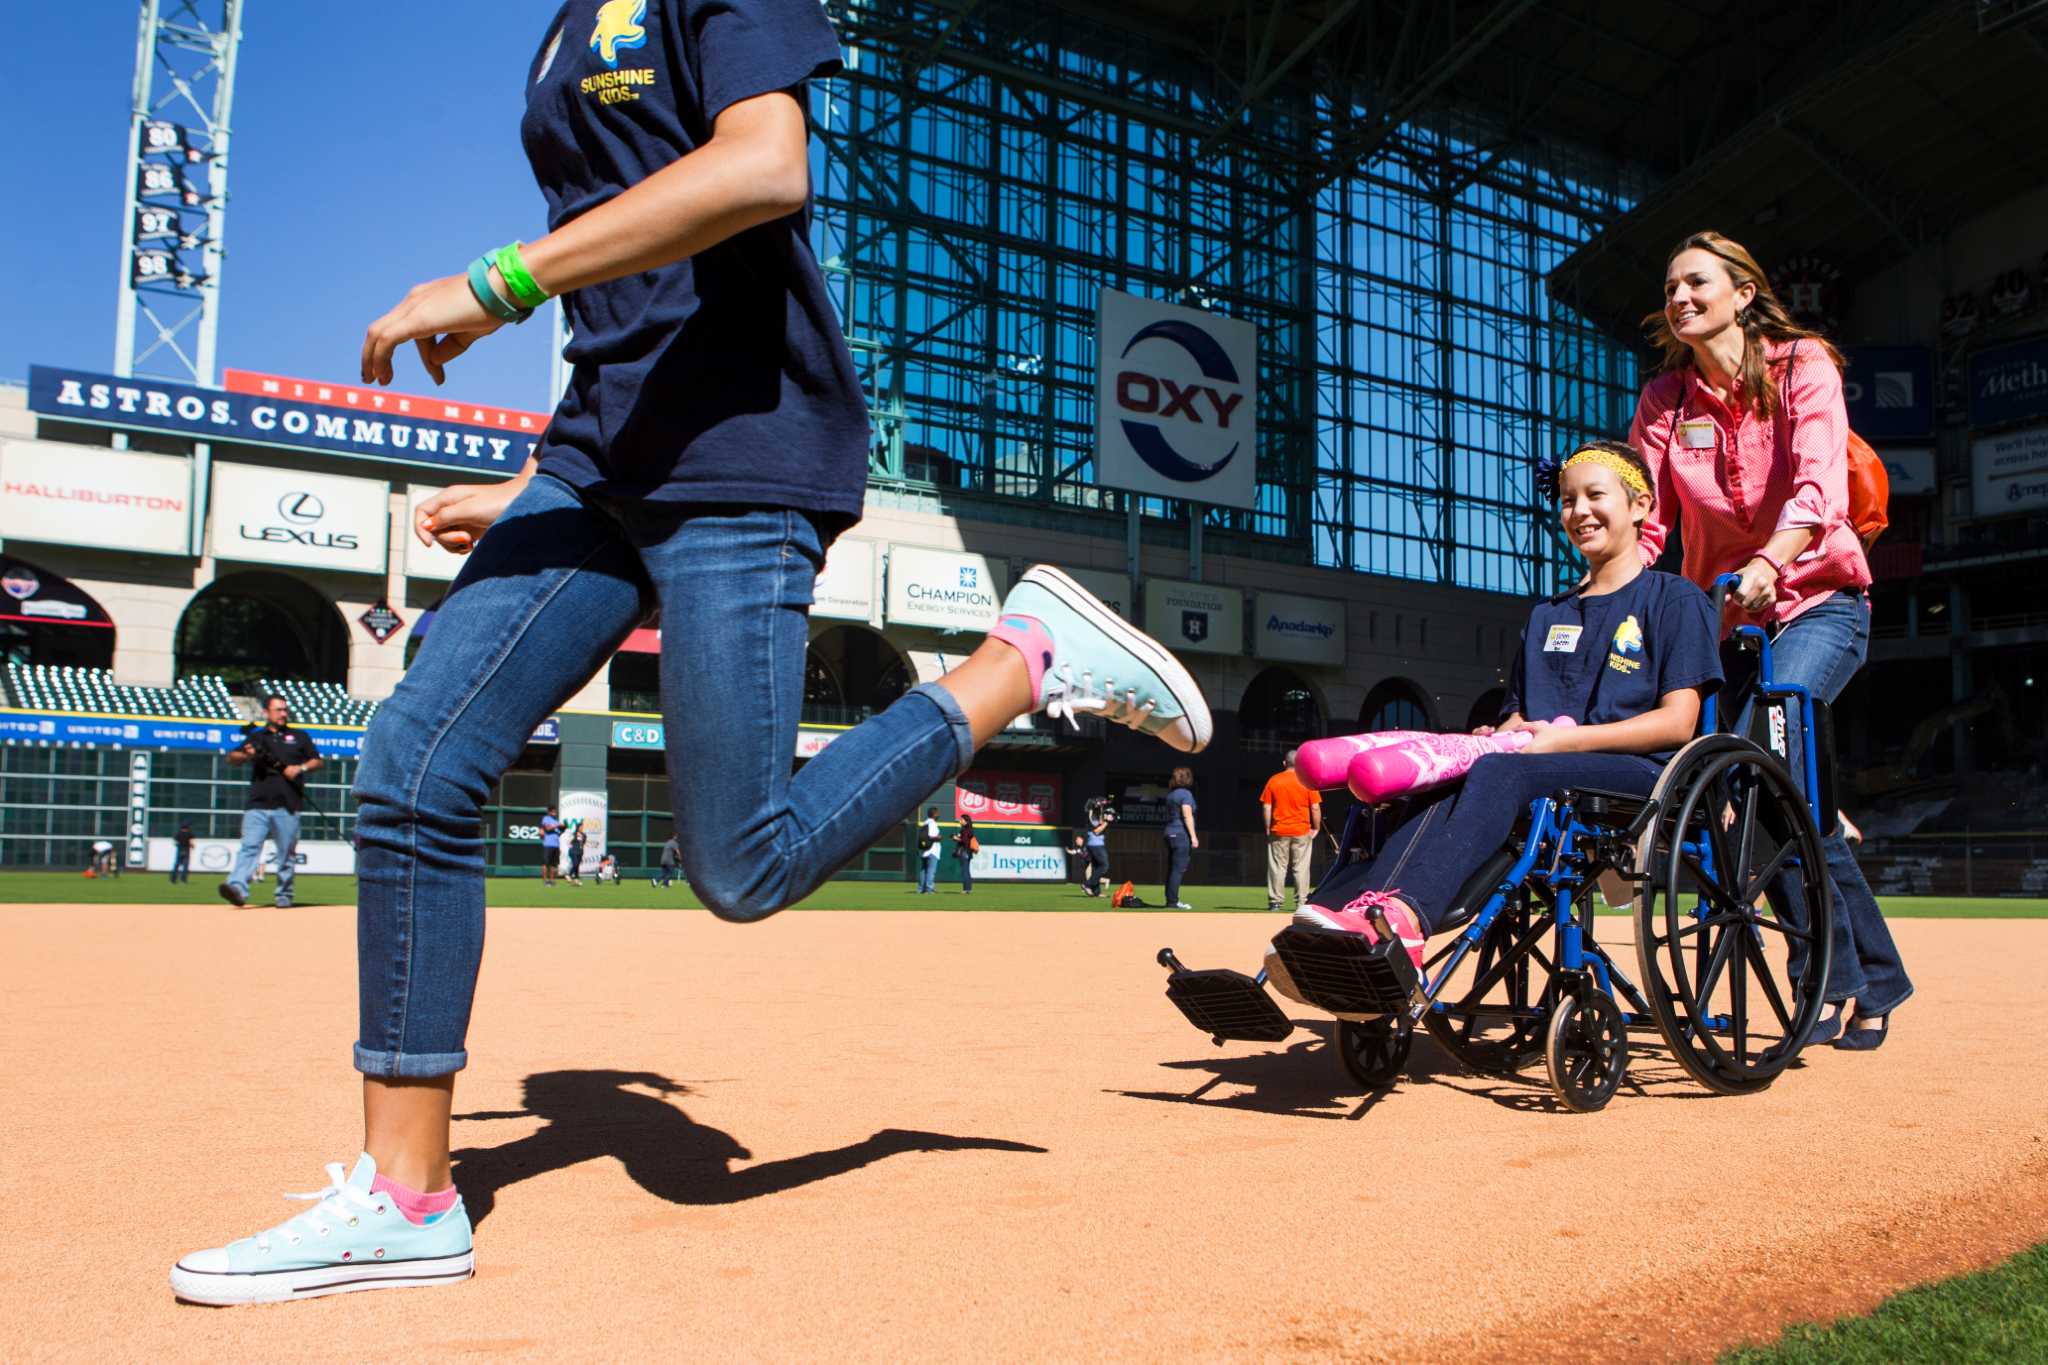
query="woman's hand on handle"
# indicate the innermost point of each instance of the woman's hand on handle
(441, 318)
(1756, 587)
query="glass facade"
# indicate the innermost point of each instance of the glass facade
(980, 179)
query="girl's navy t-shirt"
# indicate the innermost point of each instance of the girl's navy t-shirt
(724, 378)
(1604, 658)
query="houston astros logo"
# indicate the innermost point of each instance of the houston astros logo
(1163, 413)
(618, 27)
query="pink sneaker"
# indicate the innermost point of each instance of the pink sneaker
(1356, 918)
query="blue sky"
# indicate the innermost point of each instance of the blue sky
(367, 156)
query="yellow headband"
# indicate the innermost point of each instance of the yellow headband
(1629, 474)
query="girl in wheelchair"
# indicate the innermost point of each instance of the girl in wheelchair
(1629, 654)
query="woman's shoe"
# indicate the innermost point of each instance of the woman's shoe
(1827, 1028)
(1856, 1039)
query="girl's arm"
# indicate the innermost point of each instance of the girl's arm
(754, 169)
(1668, 725)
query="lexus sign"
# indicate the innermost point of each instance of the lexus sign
(286, 516)
(1176, 401)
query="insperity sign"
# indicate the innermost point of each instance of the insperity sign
(407, 430)
(1176, 401)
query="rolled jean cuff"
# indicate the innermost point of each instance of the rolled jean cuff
(409, 1065)
(956, 721)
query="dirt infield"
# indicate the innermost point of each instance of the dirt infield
(940, 1136)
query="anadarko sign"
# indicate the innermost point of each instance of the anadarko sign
(79, 495)
(401, 436)
(1301, 629)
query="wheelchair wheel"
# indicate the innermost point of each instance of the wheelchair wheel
(1493, 1020)
(1374, 1051)
(1732, 925)
(1586, 1048)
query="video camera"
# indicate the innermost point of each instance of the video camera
(1098, 809)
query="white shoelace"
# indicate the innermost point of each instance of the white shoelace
(1068, 700)
(333, 1211)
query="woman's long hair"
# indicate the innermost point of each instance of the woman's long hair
(1764, 320)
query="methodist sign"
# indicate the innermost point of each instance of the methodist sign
(1306, 630)
(1176, 401)
(83, 495)
(287, 516)
(1195, 616)
(2009, 473)
(945, 589)
(2009, 383)
(408, 431)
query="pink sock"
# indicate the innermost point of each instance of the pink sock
(417, 1207)
(1029, 637)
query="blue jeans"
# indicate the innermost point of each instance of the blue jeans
(927, 873)
(1449, 834)
(1821, 649)
(279, 826)
(966, 861)
(542, 603)
(181, 864)
(1179, 853)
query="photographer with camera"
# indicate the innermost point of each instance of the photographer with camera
(281, 757)
(1100, 815)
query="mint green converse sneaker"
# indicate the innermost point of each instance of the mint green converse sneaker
(352, 1238)
(1085, 660)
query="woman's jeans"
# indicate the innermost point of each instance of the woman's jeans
(1449, 836)
(541, 605)
(1179, 853)
(1098, 867)
(966, 861)
(281, 827)
(1820, 650)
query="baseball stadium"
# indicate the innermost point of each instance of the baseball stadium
(1470, 570)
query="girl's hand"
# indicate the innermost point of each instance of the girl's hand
(456, 518)
(441, 317)
(1546, 738)
(1756, 587)
(1482, 730)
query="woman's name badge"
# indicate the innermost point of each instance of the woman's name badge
(1562, 640)
(1696, 434)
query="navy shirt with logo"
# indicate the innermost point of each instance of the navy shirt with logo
(724, 378)
(276, 750)
(1608, 657)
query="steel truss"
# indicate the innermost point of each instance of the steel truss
(984, 168)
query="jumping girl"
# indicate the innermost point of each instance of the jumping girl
(1630, 655)
(712, 442)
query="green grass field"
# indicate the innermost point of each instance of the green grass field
(1997, 1315)
(151, 888)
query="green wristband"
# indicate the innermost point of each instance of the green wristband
(480, 286)
(512, 269)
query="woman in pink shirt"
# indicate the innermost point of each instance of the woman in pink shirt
(1746, 433)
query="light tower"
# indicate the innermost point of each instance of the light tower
(172, 234)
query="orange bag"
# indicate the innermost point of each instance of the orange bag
(1870, 491)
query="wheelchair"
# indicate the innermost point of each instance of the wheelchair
(1724, 874)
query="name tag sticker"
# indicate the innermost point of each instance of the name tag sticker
(1696, 433)
(1562, 640)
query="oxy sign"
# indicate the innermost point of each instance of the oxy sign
(1195, 616)
(287, 516)
(82, 495)
(1176, 401)
(1302, 629)
(946, 589)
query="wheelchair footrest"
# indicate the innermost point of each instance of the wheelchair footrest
(1227, 1004)
(1344, 974)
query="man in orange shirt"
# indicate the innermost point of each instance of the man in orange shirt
(1293, 815)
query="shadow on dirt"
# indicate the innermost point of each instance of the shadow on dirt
(1302, 1080)
(593, 1114)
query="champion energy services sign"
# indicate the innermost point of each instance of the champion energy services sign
(943, 589)
(82, 495)
(287, 516)
(1306, 630)
(1176, 401)
(406, 429)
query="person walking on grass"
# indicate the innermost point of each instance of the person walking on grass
(280, 760)
(1293, 813)
(928, 853)
(712, 442)
(1181, 839)
(965, 846)
(181, 853)
(671, 859)
(550, 847)
(578, 841)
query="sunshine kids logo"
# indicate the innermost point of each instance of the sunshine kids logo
(618, 29)
(1627, 654)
